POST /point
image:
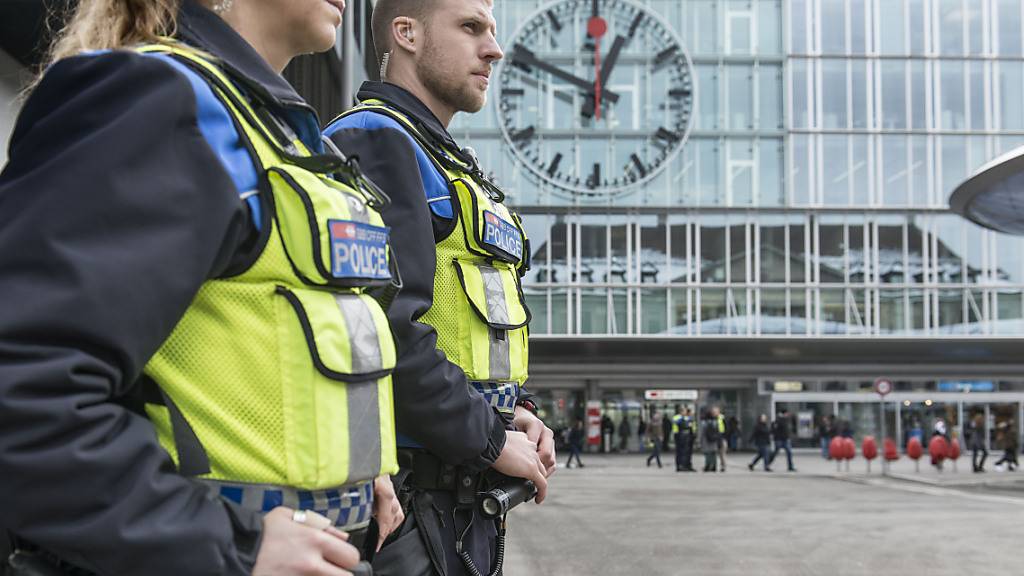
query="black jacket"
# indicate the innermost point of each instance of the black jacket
(434, 404)
(762, 435)
(114, 209)
(780, 429)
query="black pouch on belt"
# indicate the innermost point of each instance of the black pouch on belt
(22, 563)
(415, 548)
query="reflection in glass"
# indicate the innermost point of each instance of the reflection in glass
(773, 318)
(798, 26)
(833, 27)
(1011, 93)
(741, 98)
(916, 19)
(833, 93)
(770, 182)
(952, 115)
(712, 249)
(836, 172)
(894, 99)
(891, 23)
(770, 97)
(801, 114)
(773, 249)
(894, 171)
(892, 312)
(769, 26)
(951, 26)
(918, 91)
(1008, 22)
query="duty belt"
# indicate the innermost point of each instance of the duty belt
(349, 507)
(501, 395)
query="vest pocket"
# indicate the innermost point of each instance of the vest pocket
(493, 323)
(336, 388)
(348, 249)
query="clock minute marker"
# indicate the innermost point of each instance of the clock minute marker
(553, 167)
(524, 135)
(665, 55)
(639, 165)
(554, 21)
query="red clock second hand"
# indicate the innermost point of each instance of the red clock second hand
(596, 28)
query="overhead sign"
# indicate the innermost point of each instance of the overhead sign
(787, 386)
(883, 386)
(967, 386)
(670, 394)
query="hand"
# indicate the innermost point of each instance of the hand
(296, 549)
(519, 459)
(540, 435)
(386, 508)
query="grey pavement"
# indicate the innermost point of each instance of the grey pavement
(616, 516)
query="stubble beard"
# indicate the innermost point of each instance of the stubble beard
(446, 87)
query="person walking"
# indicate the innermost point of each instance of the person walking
(976, 441)
(761, 438)
(1010, 446)
(654, 438)
(625, 431)
(826, 431)
(711, 439)
(607, 433)
(723, 442)
(781, 434)
(733, 432)
(575, 444)
(464, 419)
(678, 425)
(666, 429)
(163, 408)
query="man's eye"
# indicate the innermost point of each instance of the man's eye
(471, 26)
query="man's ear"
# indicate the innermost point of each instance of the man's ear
(404, 34)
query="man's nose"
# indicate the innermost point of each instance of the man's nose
(492, 51)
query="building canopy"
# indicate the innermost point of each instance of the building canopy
(993, 196)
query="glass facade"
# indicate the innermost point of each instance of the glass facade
(811, 196)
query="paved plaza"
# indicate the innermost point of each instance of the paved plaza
(616, 516)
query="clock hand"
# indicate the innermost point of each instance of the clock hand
(589, 108)
(596, 28)
(522, 55)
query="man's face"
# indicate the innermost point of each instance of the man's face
(459, 50)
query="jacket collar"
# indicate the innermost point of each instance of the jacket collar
(201, 28)
(407, 103)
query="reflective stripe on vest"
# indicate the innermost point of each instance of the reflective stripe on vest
(479, 311)
(282, 371)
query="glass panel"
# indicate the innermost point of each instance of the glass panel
(738, 253)
(949, 251)
(618, 272)
(952, 83)
(916, 236)
(952, 27)
(652, 311)
(855, 251)
(857, 33)
(891, 266)
(860, 150)
(833, 27)
(741, 102)
(1011, 313)
(620, 311)
(769, 26)
(916, 299)
(593, 250)
(801, 169)
(918, 108)
(653, 253)
(707, 83)
(833, 311)
(773, 312)
(831, 250)
(1011, 81)
(712, 193)
(741, 172)
(713, 311)
(859, 93)
(537, 301)
(954, 163)
(836, 176)
(683, 303)
(919, 170)
(833, 93)
(975, 23)
(712, 249)
(915, 15)
(798, 313)
(894, 171)
(894, 95)
(799, 259)
(974, 254)
(1008, 22)
(773, 249)
(977, 94)
(681, 257)
(770, 96)
(594, 311)
(705, 26)
(1009, 259)
(772, 192)
(798, 26)
(801, 117)
(559, 306)
(892, 312)
(891, 23)
(739, 33)
(951, 311)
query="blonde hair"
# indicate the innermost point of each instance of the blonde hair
(113, 24)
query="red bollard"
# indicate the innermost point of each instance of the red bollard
(889, 451)
(914, 451)
(849, 451)
(869, 449)
(953, 452)
(836, 450)
(937, 448)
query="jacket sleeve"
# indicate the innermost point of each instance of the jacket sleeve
(113, 211)
(434, 405)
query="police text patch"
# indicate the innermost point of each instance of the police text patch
(358, 250)
(502, 235)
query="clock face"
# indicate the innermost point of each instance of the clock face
(595, 96)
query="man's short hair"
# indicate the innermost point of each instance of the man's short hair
(385, 12)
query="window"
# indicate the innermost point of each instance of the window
(770, 95)
(835, 171)
(1008, 22)
(802, 114)
(798, 10)
(1011, 94)
(952, 116)
(833, 93)
(833, 27)
(771, 186)
(894, 95)
(891, 23)
(707, 83)
(894, 171)
(740, 114)
(977, 94)
(951, 19)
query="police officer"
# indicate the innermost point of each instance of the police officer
(460, 320)
(678, 427)
(181, 360)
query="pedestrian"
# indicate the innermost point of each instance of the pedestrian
(826, 431)
(641, 428)
(162, 404)
(688, 435)
(459, 320)
(575, 444)
(654, 439)
(723, 442)
(666, 429)
(607, 431)
(976, 440)
(939, 428)
(761, 439)
(678, 426)
(734, 432)
(710, 439)
(625, 431)
(781, 435)
(1009, 445)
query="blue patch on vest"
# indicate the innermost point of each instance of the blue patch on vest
(503, 235)
(358, 250)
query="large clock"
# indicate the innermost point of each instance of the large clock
(595, 96)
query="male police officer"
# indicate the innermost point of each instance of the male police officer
(460, 320)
